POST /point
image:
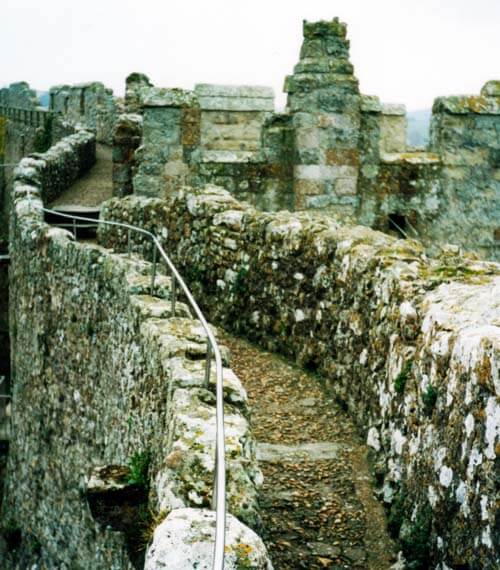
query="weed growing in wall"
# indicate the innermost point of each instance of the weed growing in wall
(240, 286)
(402, 377)
(138, 465)
(415, 540)
(429, 398)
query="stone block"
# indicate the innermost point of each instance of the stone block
(463, 105)
(346, 186)
(308, 187)
(229, 156)
(370, 104)
(491, 89)
(342, 157)
(160, 97)
(324, 172)
(307, 138)
(236, 103)
(185, 540)
(393, 109)
(466, 157)
(392, 133)
(237, 91)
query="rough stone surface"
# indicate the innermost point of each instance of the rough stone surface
(103, 372)
(24, 128)
(333, 149)
(184, 540)
(90, 104)
(323, 96)
(410, 344)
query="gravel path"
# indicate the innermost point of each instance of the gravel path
(94, 187)
(317, 500)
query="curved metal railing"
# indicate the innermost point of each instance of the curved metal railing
(219, 486)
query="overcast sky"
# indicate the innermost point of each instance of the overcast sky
(406, 51)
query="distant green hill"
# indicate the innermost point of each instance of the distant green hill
(43, 98)
(418, 127)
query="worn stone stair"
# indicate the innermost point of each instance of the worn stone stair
(317, 501)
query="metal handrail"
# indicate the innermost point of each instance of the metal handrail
(219, 486)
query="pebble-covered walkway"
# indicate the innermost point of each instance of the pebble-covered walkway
(317, 500)
(95, 186)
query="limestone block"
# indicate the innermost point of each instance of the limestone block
(392, 132)
(238, 91)
(463, 105)
(187, 474)
(307, 138)
(396, 109)
(236, 104)
(160, 97)
(491, 89)
(465, 157)
(346, 186)
(185, 540)
(323, 172)
(230, 156)
(370, 104)
(416, 157)
(347, 157)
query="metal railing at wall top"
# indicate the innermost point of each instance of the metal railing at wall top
(219, 486)
(35, 117)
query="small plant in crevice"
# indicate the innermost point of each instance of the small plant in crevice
(138, 465)
(415, 538)
(43, 137)
(12, 535)
(240, 285)
(402, 377)
(429, 398)
(148, 523)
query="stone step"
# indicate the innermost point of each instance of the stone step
(278, 453)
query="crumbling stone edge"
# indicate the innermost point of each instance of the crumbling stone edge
(85, 325)
(410, 344)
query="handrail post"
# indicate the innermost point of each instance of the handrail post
(173, 292)
(214, 486)
(208, 363)
(153, 271)
(219, 489)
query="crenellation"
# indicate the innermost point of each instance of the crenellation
(316, 232)
(90, 104)
(409, 343)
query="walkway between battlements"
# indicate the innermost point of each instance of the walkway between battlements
(317, 502)
(94, 187)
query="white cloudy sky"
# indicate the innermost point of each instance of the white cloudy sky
(405, 51)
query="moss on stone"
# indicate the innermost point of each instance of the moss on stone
(138, 465)
(402, 377)
(429, 398)
(415, 537)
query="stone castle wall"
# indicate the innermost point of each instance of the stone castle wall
(90, 104)
(103, 373)
(465, 131)
(24, 128)
(410, 344)
(333, 149)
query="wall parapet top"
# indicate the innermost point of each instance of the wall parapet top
(467, 104)
(379, 319)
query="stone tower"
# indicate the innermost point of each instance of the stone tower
(324, 99)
